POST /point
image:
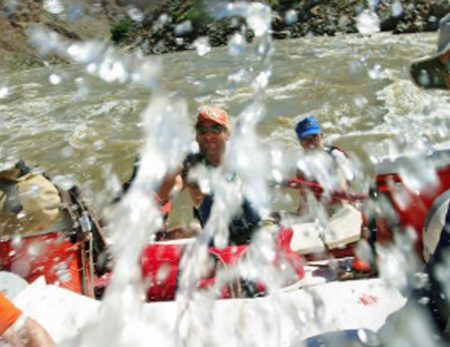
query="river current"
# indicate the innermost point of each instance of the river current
(81, 129)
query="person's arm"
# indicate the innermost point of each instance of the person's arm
(344, 169)
(17, 330)
(29, 334)
(178, 180)
(302, 203)
(171, 184)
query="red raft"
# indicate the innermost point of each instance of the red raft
(160, 265)
(51, 255)
(64, 253)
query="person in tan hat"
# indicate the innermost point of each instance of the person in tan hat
(433, 72)
(212, 131)
(430, 73)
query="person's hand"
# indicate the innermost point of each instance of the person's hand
(28, 334)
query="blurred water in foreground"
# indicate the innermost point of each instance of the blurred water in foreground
(85, 123)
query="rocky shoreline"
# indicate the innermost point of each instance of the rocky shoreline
(290, 19)
(157, 27)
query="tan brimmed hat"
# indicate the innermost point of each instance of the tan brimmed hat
(430, 72)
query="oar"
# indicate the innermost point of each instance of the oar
(318, 190)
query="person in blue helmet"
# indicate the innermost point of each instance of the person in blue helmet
(326, 165)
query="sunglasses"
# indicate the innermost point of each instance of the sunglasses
(215, 129)
(310, 138)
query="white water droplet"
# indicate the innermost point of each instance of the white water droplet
(262, 80)
(202, 46)
(236, 45)
(291, 17)
(424, 300)
(373, 4)
(135, 14)
(376, 72)
(424, 78)
(397, 8)
(35, 250)
(259, 18)
(161, 22)
(99, 144)
(368, 23)
(162, 274)
(85, 52)
(360, 101)
(55, 79)
(112, 71)
(183, 28)
(4, 92)
(53, 6)
(61, 270)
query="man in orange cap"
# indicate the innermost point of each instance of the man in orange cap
(212, 131)
(17, 330)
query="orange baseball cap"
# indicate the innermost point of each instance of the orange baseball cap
(214, 114)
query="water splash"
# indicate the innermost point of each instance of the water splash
(54, 6)
(368, 23)
(397, 8)
(202, 46)
(135, 14)
(55, 79)
(183, 28)
(155, 166)
(291, 17)
(99, 58)
(236, 45)
(4, 92)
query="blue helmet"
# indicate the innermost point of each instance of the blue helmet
(306, 127)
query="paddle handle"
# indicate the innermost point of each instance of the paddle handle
(318, 190)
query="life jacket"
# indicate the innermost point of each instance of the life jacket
(242, 225)
(333, 152)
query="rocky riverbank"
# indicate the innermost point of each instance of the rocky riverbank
(290, 19)
(172, 25)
